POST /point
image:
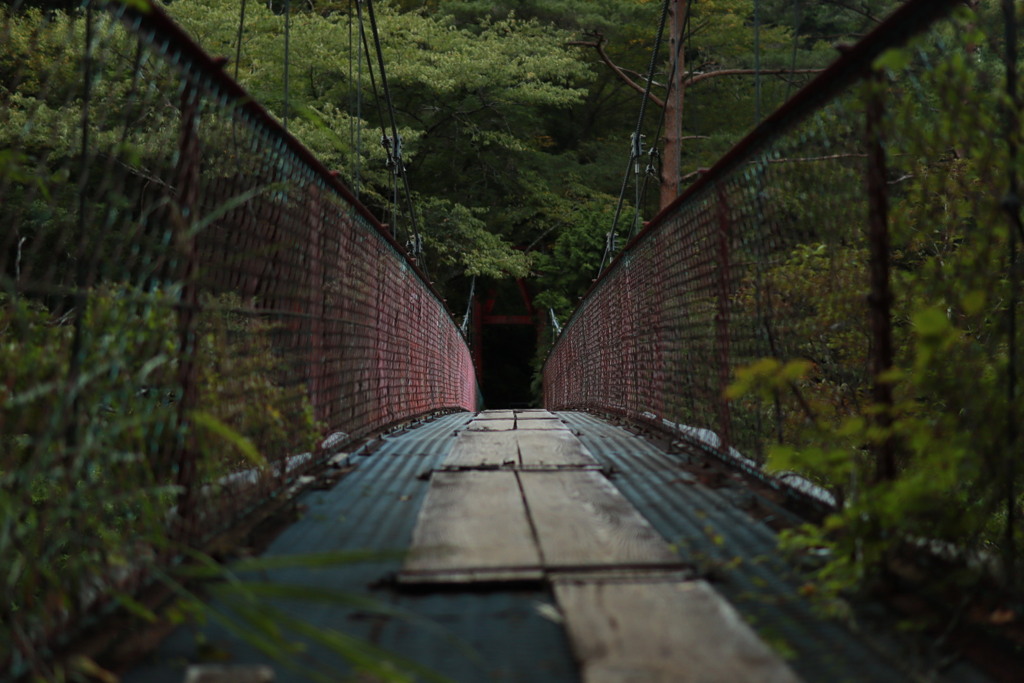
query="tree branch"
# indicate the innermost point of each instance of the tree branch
(862, 11)
(692, 80)
(697, 78)
(599, 46)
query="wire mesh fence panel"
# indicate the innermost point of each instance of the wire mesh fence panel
(838, 297)
(192, 312)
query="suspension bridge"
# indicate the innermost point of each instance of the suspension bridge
(212, 350)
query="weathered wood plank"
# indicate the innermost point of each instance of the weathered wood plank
(549, 447)
(496, 415)
(479, 425)
(547, 425)
(484, 449)
(522, 417)
(581, 520)
(472, 520)
(663, 632)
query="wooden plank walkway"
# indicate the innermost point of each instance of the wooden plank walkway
(520, 498)
(473, 527)
(662, 632)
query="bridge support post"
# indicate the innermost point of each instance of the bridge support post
(1012, 206)
(880, 297)
(722, 322)
(316, 371)
(183, 216)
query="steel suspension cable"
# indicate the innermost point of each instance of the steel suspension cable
(609, 243)
(400, 165)
(287, 53)
(238, 39)
(469, 306)
(757, 62)
(384, 139)
(652, 152)
(238, 60)
(798, 21)
(356, 134)
(351, 97)
(373, 79)
(612, 234)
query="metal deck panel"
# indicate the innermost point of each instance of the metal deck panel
(473, 636)
(698, 521)
(376, 507)
(710, 531)
(424, 438)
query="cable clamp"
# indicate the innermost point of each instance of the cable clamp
(398, 147)
(653, 162)
(415, 245)
(636, 144)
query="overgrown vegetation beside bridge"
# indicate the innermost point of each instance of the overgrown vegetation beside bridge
(839, 299)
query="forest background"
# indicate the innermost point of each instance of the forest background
(516, 128)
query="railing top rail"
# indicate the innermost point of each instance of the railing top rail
(148, 16)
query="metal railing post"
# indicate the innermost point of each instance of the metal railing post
(183, 214)
(722, 321)
(880, 296)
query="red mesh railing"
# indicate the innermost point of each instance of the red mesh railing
(835, 307)
(838, 294)
(192, 312)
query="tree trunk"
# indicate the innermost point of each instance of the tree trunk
(672, 152)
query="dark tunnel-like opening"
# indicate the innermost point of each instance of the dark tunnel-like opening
(508, 352)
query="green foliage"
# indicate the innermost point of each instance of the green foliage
(90, 418)
(952, 422)
(77, 486)
(245, 388)
(462, 245)
(505, 122)
(566, 265)
(261, 613)
(473, 101)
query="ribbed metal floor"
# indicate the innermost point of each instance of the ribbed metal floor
(739, 554)
(479, 635)
(473, 636)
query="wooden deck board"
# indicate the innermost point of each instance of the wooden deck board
(662, 632)
(538, 425)
(582, 520)
(496, 415)
(479, 425)
(484, 449)
(552, 448)
(472, 520)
